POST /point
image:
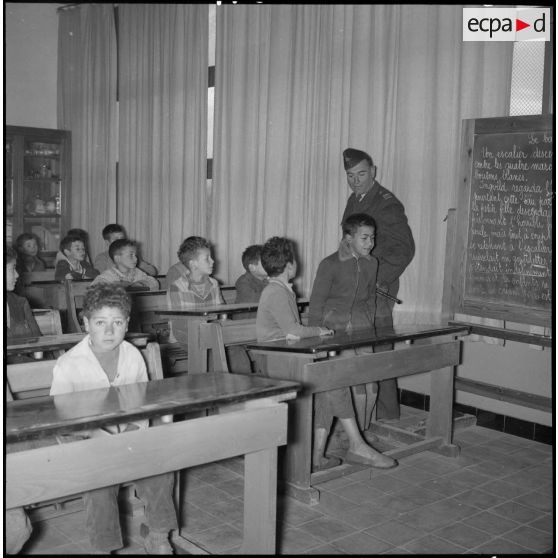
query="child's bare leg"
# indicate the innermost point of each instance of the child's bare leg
(359, 399)
(371, 393)
(318, 449)
(319, 459)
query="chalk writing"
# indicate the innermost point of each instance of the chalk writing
(509, 246)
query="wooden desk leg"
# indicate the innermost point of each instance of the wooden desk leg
(260, 502)
(197, 358)
(298, 466)
(440, 417)
(298, 454)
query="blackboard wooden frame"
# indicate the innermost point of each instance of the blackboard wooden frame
(456, 299)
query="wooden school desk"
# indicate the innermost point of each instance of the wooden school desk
(252, 422)
(307, 361)
(197, 357)
(64, 341)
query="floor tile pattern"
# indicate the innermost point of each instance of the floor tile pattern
(497, 497)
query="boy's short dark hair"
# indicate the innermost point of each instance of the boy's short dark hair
(277, 252)
(190, 247)
(106, 294)
(251, 255)
(112, 228)
(10, 255)
(352, 223)
(118, 245)
(84, 235)
(68, 240)
(24, 237)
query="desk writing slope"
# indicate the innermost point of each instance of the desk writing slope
(503, 242)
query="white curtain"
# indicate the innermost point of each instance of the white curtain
(163, 125)
(297, 84)
(87, 107)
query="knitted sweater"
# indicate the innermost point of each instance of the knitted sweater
(278, 314)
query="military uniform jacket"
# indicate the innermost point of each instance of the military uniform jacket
(394, 247)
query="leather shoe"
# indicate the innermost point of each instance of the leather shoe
(379, 461)
(326, 463)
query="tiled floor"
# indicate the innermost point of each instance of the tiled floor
(495, 498)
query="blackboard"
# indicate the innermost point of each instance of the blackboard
(503, 246)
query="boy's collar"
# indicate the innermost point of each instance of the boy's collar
(281, 282)
(346, 253)
(126, 270)
(76, 264)
(264, 280)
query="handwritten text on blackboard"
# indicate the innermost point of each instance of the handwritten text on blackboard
(509, 248)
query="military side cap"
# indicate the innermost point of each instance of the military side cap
(352, 157)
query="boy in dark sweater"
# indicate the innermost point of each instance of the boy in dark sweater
(344, 298)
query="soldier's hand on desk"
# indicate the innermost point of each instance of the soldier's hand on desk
(326, 331)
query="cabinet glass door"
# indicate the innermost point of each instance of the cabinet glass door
(9, 190)
(42, 192)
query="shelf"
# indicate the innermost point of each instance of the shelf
(39, 180)
(43, 216)
(35, 155)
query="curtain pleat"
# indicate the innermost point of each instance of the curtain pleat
(297, 84)
(163, 126)
(87, 107)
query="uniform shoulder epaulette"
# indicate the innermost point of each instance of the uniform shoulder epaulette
(387, 195)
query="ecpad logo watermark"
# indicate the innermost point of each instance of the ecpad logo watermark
(506, 24)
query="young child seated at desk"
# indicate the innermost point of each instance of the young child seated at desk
(344, 298)
(124, 270)
(103, 261)
(190, 283)
(74, 265)
(249, 286)
(103, 359)
(27, 246)
(20, 322)
(83, 235)
(278, 318)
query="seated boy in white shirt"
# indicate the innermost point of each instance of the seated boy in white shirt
(103, 359)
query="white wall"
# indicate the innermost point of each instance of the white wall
(31, 41)
(515, 365)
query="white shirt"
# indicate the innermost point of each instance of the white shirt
(79, 370)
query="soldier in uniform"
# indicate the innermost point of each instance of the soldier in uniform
(394, 250)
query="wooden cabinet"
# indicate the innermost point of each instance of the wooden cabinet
(37, 186)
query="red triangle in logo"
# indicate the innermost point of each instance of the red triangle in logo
(519, 25)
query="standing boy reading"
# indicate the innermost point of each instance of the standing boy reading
(249, 286)
(74, 265)
(123, 253)
(103, 359)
